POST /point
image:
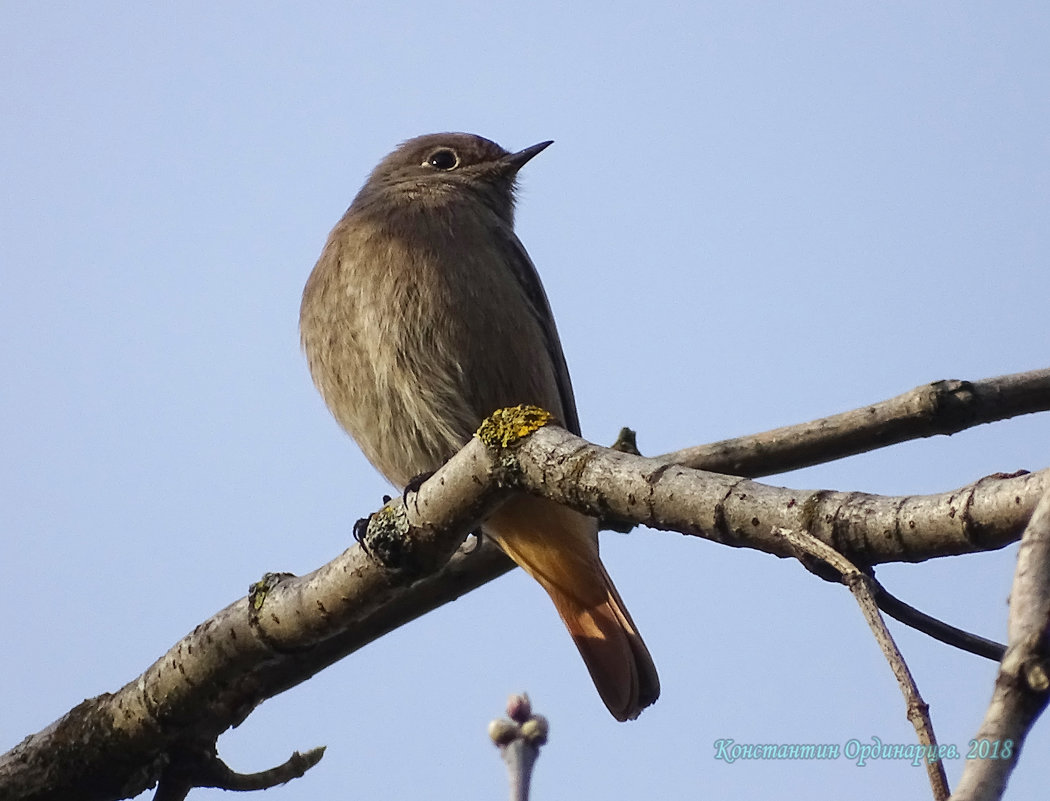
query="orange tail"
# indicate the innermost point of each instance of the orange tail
(559, 548)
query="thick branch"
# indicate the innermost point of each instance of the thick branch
(290, 628)
(1022, 687)
(867, 529)
(287, 629)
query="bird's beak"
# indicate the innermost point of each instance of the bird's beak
(518, 160)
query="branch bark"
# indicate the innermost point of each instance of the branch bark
(941, 407)
(1022, 687)
(868, 529)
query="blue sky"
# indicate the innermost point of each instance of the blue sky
(752, 215)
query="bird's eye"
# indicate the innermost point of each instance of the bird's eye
(443, 159)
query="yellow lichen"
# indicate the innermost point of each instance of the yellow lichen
(258, 591)
(257, 595)
(504, 427)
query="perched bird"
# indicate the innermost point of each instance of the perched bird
(423, 315)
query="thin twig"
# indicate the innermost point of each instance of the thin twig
(938, 629)
(189, 768)
(293, 768)
(860, 584)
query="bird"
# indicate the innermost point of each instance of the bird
(423, 315)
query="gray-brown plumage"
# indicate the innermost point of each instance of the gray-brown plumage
(425, 314)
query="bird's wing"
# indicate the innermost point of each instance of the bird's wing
(529, 281)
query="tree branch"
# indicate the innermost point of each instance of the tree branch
(289, 628)
(1022, 687)
(868, 529)
(863, 588)
(942, 407)
(939, 630)
(201, 767)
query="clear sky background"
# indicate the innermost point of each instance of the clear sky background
(753, 214)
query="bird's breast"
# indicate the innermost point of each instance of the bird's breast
(415, 330)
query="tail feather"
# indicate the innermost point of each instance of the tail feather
(615, 654)
(559, 548)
